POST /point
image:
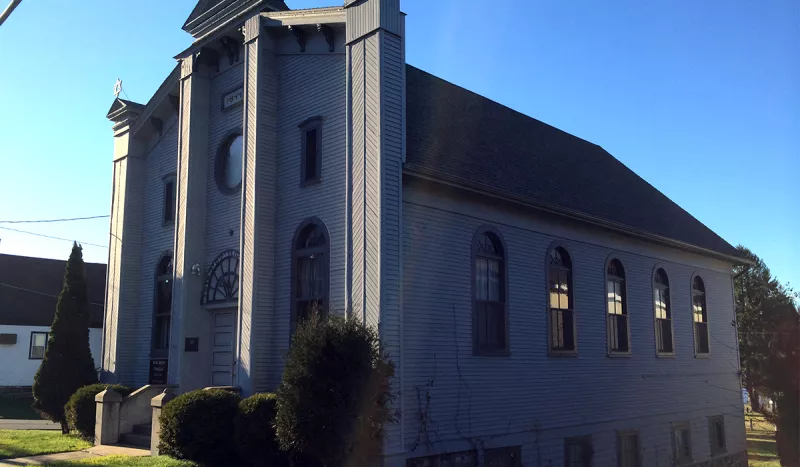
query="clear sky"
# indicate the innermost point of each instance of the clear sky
(700, 98)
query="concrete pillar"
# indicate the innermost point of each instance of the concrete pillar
(157, 403)
(106, 422)
(189, 319)
(256, 296)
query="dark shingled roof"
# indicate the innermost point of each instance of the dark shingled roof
(205, 5)
(29, 289)
(466, 139)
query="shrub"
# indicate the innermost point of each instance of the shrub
(81, 408)
(334, 398)
(199, 426)
(255, 432)
(67, 364)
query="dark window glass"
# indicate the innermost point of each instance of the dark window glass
(169, 201)
(578, 452)
(617, 307)
(681, 444)
(489, 301)
(628, 450)
(38, 345)
(663, 314)
(716, 434)
(310, 272)
(562, 315)
(700, 315)
(163, 305)
(311, 154)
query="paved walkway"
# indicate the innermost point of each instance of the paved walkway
(96, 451)
(9, 424)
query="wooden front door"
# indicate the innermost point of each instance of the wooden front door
(222, 338)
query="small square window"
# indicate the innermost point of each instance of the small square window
(38, 345)
(311, 151)
(681, 443)
(716, 435)
(628, 449)
(169, 200)
(578, 452)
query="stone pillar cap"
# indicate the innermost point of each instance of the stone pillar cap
(162, 398)
(108, 396)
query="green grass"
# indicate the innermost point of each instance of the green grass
(24, 443)
(761, 448)
(18, 408)
(125, 461)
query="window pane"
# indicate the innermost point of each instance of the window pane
(564, 279)
(481, 278)
(554, 289)
(568, 330)
(233, 163)
(310, 276)
(556, 329)
(701, 337)
(494, 280)
(40, 339)
(311, 154)
(629, 450)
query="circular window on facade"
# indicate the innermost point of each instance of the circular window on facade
(229, 165)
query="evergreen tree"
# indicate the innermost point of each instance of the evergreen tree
(67, 363)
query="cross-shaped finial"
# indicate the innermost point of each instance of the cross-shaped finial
(117, 87)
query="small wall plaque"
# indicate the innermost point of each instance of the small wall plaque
(191, 344)
(232, 98)
(158, 371)
(8, 339)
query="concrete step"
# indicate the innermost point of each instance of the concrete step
(135, 439)
(142, 429)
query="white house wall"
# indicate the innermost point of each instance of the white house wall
(532, 399)
(17, 369)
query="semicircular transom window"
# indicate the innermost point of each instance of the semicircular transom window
(222, 280)
(229, 165)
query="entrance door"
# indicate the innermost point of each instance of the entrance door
(222, 349)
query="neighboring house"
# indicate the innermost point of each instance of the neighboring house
(29, 289)
(542, 303)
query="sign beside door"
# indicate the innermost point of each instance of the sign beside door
(158, 371)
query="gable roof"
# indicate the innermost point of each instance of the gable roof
(29, 289)
(465, 139)
(210, 8)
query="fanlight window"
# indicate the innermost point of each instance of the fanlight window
(222, 280)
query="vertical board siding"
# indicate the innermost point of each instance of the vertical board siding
(111, 318)
(223, 211)
(357, 213)
(365, 17)
(373, 160)
(308, 85)
(157, 238)
(529, 395)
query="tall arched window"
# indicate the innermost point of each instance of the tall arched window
(489, 312)
(310, 271)
(700, 316)
(663, 313)
(618, 325)
(163, 307)
(562, 313)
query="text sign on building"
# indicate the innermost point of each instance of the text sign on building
(158, 371)
(232, 98)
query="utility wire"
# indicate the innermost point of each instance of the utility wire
(54, 220)
(54, 238)
(38, 293)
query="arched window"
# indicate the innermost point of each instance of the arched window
(700, 315)
(562, 313)
(663, 312)
(490, 316)
(163, 307)
(618, 323)
(310, 272)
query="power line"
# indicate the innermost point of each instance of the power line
(39, 293)
(54, 220)
(54, 238)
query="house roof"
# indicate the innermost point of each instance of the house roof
(214, 7)
(29, 289)
(465, 139)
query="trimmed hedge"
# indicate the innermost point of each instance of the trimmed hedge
(81, 408)
(255, 432)
(199, 426)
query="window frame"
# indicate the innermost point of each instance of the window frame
(610, 351)
(219, 162)
(30, 345)
(476, 348)
(684, 425)
(154, 352)
(713, 449)
(625, 433)
(697, 353)
(296, 254)
(586, 440)
(660, 353)
(309, 124)
(571, 291)
(166, 180)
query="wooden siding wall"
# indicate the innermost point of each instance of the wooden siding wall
(534, 400)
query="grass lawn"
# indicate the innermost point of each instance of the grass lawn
(761, 448)
(23, 443)
(18, 408)
(124, 461)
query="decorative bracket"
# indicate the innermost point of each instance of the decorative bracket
(326, 31)
(209, 57)
(300, 35)
(158, 124)
(231, 47)
(174, 101)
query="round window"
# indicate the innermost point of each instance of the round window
(229, 165)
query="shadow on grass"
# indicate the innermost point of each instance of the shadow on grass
(18, 408)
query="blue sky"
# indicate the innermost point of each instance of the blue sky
(702, 99)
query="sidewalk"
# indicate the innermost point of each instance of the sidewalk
(9, 424)
(96, 451)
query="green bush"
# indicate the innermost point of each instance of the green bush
(199, 426)
(81, 408)
(334, 398)
(255, 432)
